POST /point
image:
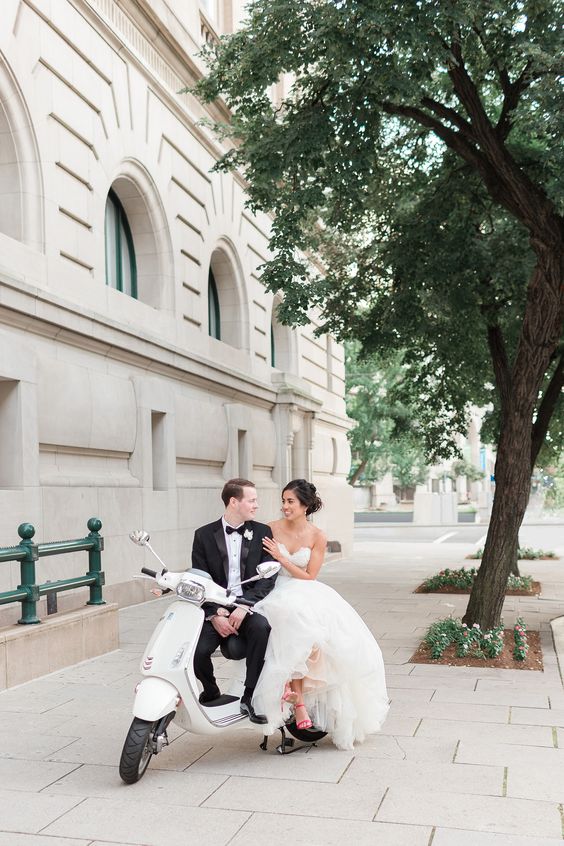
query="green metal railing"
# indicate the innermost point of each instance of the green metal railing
(27, 553)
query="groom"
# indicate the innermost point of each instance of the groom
(229, 550)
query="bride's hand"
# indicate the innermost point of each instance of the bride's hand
(271, 547)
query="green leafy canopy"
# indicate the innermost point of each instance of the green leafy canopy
(395, 168)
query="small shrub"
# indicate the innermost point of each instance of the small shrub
(463, 579)
(469, 641)
(520, 637)
(519, 582)
(525, 553)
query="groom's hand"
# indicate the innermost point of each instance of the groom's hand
(223, 626)
(236, 617)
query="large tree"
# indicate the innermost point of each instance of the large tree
(400, 118)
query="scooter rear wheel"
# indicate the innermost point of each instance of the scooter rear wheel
(137, 750)
(311, 735)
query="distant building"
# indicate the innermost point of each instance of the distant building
(141, 362)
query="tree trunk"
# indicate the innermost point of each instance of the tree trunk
(515, 565)
(519, 387)
(358, 472)
(513, 475)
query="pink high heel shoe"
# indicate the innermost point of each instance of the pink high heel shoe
(303, 724)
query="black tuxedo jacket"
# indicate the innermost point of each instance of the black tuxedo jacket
(209, 553)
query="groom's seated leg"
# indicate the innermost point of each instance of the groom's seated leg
(203, 665)
(234, 647)
(256, 630)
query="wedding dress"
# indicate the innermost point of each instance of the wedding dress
(317, 635)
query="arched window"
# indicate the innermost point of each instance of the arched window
(214, 323)
(121, 270)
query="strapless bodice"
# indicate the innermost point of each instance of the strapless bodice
(300, 558)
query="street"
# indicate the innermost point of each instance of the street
(547, 537)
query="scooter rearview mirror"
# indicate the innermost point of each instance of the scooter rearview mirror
(140, 537)
(267, 569)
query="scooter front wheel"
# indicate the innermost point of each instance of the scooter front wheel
(137, 750)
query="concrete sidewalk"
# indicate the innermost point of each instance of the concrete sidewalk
(467, 757)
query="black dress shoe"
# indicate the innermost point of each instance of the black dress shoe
(209, 695)
(247, 708)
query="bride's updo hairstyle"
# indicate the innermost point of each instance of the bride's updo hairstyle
(306, 493)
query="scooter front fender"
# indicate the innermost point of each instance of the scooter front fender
(155, 698)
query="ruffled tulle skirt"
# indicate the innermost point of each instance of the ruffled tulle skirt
(317, 635)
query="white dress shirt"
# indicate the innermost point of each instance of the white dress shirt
(233, 544)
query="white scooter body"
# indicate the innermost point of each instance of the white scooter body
(167, 665)
(169, 683)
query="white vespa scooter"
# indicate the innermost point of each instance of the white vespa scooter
(169, 690)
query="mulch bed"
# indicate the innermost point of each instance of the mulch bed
(504, 661)
(534, 590)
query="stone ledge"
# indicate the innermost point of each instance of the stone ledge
(61, 640)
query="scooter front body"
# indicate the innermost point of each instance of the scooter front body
(169, 682)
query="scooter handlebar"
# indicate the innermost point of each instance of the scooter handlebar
(147, 572)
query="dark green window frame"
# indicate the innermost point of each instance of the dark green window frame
(120, 231)
(272, 347)
(214, 317)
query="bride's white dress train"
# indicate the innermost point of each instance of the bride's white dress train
(317, 635)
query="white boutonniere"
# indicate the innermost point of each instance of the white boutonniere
(248, 534)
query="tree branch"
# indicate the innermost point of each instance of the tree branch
(512, 92)
(546, 410)
(451, 115)
(455, 140)
(511, 187)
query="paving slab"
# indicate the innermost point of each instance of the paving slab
(536, 782)
(445, 777)
(522, 735)
(538, 716)
(346, 800)
(407, 748)
(457, 712)
(30, 811)
(514, 696)
(491, 814)
(175, 788)
(282, 830)
(149, 823)
(320, 764)
(13, 839)
(17, 774)
(455, 837)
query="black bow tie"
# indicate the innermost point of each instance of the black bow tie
(230, 529)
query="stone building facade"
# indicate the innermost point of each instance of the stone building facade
(141, 362)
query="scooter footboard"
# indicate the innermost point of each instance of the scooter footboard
(155, 698)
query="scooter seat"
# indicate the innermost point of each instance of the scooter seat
(233, 647)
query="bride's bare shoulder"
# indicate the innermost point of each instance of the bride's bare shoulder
(319, 537)
(275, 526)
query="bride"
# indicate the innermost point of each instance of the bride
(321, 659)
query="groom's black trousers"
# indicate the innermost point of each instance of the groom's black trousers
(255, 631)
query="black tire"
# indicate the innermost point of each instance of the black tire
(311, 735)
(137, 752)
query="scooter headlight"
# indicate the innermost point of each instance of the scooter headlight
(191, 591)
